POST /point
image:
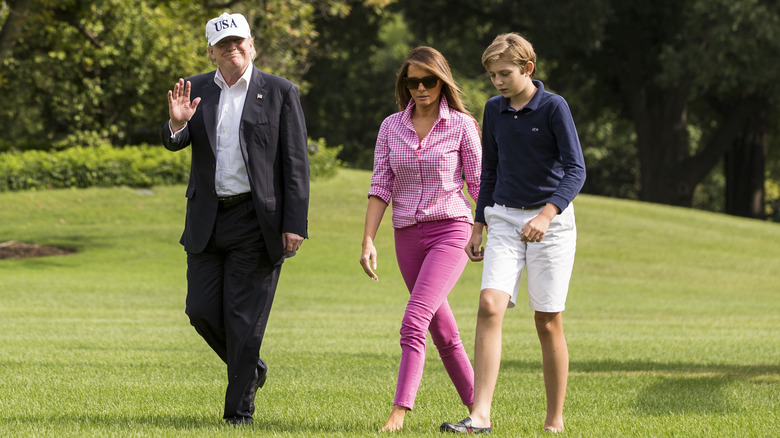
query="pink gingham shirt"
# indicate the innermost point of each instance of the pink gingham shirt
(424, 178)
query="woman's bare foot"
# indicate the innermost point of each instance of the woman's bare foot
(396, 420)
(553, 423)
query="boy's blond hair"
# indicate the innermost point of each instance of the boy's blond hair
(511, 47)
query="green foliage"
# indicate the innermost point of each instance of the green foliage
(611, 162)
(323, 161)
(347, 105)
(284, 34)
(105, 67)
(708, 195)
(104, 166)
(102, 66)
(772, 194)
(287, 33)
(736, 52)
(88, 139)
(476, 91)
(98, 164)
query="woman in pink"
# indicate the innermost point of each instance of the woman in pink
(422, 154)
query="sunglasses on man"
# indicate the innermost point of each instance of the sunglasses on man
(428, 82)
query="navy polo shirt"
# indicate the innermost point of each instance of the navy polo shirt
(530, 156)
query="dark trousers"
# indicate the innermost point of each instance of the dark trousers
(230, 289)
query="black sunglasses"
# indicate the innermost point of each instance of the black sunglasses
(428, 82)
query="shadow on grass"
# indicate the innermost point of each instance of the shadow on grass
(686, 395)
(649, 367)
(633, 366)
(676, 387)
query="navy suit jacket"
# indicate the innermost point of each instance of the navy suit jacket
(273, 142)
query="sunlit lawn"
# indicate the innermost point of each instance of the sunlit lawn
(673, 326)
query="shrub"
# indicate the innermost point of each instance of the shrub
(138, 166)
(323, 161)
(134, 166)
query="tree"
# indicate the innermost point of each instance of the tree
(13, 14)
(744, 165)
(656, 64)
(80, 71)
(99, 67)
(747, 53)
(352, 80)
(462, 30)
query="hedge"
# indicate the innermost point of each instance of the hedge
(106, 166)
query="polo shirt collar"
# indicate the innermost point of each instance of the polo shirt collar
(535, 101)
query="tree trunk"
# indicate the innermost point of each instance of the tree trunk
(744, 167)
(659, 117)
(669, 171)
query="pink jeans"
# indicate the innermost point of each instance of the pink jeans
(431, 258)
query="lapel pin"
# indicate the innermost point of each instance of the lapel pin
(259, 96)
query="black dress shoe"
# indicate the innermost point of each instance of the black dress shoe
(239, 421)
(463, 426)
(262, 373)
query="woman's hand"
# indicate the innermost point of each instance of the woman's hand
(368, 259)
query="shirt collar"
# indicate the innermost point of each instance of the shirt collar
(444, 110)
(220, 80)
(533, 103)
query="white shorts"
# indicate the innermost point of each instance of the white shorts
(549, 263)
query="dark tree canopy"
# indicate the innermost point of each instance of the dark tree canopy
(666, 67)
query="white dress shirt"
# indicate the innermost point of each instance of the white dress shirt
(231, 176)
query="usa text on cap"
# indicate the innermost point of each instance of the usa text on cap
(227, 25)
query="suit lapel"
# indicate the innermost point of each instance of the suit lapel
(253, 106)
(210, 102)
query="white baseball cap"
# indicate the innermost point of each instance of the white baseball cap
(227, 25)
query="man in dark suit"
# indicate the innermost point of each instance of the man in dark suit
(247, 200)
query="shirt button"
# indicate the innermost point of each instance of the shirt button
(515, 115)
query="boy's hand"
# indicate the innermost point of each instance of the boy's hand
(474, 250)
(536, 228)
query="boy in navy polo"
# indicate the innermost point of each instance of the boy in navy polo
(532, 168)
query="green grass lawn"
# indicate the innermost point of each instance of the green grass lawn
(673, 326)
